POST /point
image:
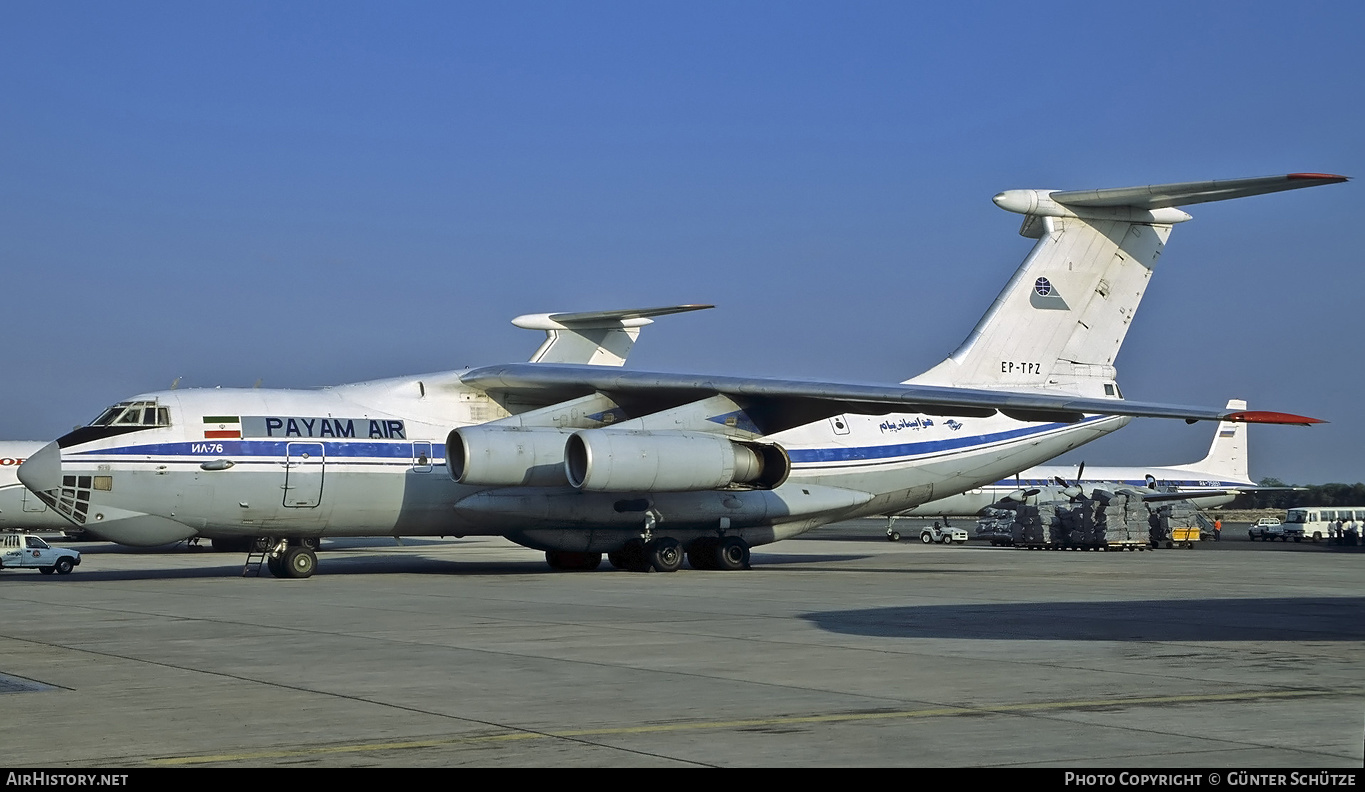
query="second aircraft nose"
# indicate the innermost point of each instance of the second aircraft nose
(43, 471)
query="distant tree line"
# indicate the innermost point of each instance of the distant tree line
(1309, 495)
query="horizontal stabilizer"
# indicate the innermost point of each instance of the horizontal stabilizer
(557, 321)
(597, 338)
(1160, 196)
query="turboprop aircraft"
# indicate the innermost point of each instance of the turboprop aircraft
(1215, 480)
(21, 510)
(580, 460)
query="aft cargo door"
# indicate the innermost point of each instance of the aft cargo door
(303, 471)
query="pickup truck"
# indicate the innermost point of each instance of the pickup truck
(31, 552)
(944, 534)
(1268, 529)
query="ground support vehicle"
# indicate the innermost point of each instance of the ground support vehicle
(25, 551)
(943, 534)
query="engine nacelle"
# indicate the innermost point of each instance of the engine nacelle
(497, 456)
(606, 460)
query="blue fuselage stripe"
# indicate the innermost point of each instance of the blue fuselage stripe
(361, 449)
(270, 448)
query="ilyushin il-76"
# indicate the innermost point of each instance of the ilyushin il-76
(577, 456)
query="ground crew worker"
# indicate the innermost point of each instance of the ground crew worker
(1218, 530)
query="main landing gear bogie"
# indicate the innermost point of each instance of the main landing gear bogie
(666, 554)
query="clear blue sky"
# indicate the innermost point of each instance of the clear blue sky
(317, 193)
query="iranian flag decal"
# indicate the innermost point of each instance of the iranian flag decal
(222, 427)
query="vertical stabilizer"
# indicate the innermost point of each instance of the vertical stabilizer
(1061, 319)
(1227, 457)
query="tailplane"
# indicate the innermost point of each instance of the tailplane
(1059, 322)
(597, 338)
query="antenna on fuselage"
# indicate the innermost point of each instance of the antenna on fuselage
(258, 383)
(175, 383)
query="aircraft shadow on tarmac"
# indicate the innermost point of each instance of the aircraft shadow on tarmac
(1275, 619)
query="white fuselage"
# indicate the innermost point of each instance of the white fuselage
(369, 459)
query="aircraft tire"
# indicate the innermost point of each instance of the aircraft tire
(273, 564)
(701, 554)
(665, 554)
(894, 536)
(64, 566)
(631, 557)
(732, 553)
(299, 563)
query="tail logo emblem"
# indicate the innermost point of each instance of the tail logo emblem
(1043, 286)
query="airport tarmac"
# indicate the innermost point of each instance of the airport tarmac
(838, 649)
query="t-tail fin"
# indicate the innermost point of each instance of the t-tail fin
(598, 338)
(1227, 458)
(1059, 322)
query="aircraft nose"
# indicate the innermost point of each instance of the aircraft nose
(43, 471)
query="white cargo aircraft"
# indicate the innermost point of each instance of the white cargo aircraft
(21, 510)
(1215, 480)
(579, 460)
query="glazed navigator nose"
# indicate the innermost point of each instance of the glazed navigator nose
(42, 472)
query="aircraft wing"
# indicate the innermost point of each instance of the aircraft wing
(1151, 496)
(778, 404)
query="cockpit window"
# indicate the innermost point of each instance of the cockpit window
(138, 413)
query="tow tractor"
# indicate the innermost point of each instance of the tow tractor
(943, 534)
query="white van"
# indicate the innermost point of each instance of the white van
(1318, 522)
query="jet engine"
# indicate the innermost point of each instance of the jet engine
(605, 460)
(497, 456)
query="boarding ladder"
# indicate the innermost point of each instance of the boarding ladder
(255, 557)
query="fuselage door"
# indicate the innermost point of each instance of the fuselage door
(303, 470)
(421, 457)
(32, 503)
